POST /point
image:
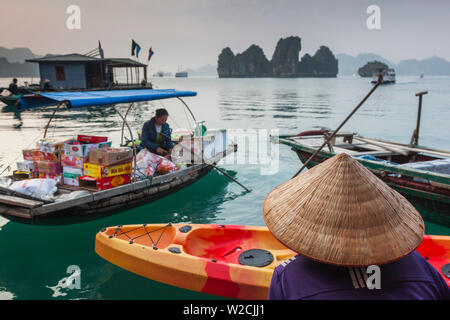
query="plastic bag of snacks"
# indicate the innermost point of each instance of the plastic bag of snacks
(39, 188)
(166, 166)
(147, 164)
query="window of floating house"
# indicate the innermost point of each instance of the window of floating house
(60, 74)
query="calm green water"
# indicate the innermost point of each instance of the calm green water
(34, 258)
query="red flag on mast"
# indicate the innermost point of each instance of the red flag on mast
(150, 53)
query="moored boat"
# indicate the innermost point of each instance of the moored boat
(92, 202)
(388, 76)
(224, 260)
(420, 174)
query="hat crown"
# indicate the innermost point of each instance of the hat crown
(340, 213)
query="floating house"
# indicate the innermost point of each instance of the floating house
(78, 71)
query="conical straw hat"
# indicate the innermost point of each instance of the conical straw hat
(340, 213)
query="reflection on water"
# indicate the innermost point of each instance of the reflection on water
(5, 295)
(3, 221)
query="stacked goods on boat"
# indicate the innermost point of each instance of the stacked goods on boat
(76, 154)
(107, 168)
(41, 162)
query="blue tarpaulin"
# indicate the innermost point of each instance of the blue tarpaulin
(98, 98)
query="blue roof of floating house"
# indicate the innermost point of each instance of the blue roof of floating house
(98, 98)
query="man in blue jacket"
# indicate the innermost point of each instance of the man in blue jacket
(156, 134)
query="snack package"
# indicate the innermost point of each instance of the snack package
(50, 145)
(149, 163)
(166, 166)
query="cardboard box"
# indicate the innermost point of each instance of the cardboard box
(98, 171)
(22, 175)
(104, 183)
(50, 167)
(72, 175)
(31, 154)
(91, 139)
(56, 177)
(26, 165)
(82, 150)
(110, 156)
(74, 162)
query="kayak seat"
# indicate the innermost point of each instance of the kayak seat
(227, 244)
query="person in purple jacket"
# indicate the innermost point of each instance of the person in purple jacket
(356, 238)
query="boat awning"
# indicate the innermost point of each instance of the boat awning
(98, 98)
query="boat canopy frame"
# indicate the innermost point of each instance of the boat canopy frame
(165, 95)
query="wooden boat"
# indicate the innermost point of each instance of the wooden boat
(224, 260)
(9, 100)
(94, 203)
(420, 174)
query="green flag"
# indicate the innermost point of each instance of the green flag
(134, 45)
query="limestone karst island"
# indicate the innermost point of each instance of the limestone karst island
(285, 62)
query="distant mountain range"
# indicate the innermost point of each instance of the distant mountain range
(12, 64)
(206, 70)
(433, 66)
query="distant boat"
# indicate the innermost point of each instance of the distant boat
(181, 74)
(388, 76)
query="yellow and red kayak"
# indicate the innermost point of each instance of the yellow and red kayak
(224, 260)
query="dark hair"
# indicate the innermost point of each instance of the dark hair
(161, 112)
(14, 80)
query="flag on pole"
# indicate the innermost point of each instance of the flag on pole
(135, 48)
(102, 56)
(150, 53)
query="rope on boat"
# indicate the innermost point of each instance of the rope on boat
(154, 244)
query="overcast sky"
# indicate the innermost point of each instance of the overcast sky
(191, 33)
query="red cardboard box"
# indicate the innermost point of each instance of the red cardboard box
(31, 154)
(74, 162)
(104, 183)
(48, 156)
(56, 177)
(50, 167)
(91, 139)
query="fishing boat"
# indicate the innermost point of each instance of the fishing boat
(420, 174)
(388, 76)
(9, 100)
(181, 74)
(225, 260)
(92, 202)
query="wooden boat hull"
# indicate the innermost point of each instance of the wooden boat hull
(9, 100)
(208, 258)
(432, 200)
(102, 203)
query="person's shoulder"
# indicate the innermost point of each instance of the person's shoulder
(148, 122)
(283, 266)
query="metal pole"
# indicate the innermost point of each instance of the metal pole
(415, 137)
(123, 123)
(329, 138)
(51, 117)
(134, 147)
(193, 117)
